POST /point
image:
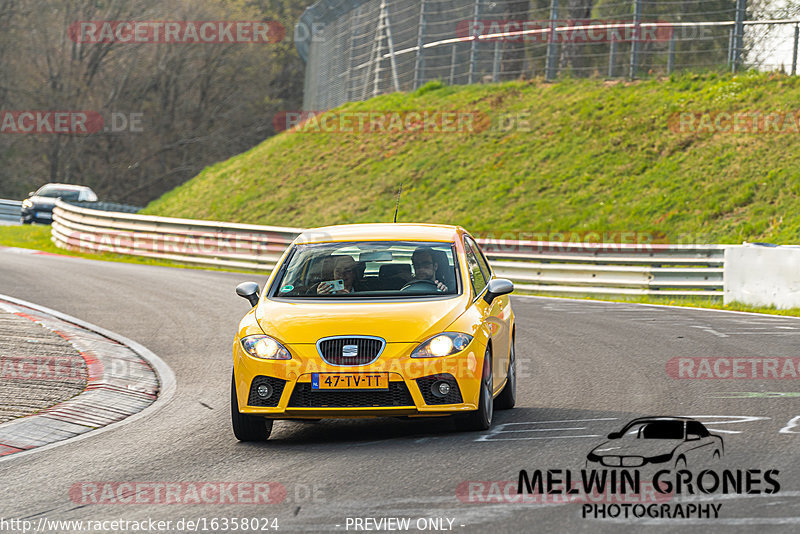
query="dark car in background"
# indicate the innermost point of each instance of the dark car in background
(38, 207)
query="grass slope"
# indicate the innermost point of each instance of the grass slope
(599, 156)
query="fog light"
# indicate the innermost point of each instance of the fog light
(264, 391)
(440, 389)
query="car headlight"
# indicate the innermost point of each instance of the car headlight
(265, 347)
(443, 344)
(27, 203)
(660, 459)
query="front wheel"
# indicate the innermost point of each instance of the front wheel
(508, 397)
(247, 427)
(481, 419)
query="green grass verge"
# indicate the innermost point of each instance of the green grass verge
(599, 156)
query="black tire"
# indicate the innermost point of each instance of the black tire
(508, 397)
(247, 427)
(23, 221)
(481, 419)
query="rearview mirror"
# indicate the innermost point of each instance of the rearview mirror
(497, 287)
(248, 290)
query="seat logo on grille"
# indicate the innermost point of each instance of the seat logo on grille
(349, 351)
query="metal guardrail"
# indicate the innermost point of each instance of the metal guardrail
(537, 266)
(10, 210)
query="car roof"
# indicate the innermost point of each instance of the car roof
(660, 419)
(66, 186)
(381, 232)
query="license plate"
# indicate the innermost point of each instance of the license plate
(321, 381)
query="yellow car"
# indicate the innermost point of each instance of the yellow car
(375, 320)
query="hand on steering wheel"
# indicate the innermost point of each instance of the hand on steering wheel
(438, 285)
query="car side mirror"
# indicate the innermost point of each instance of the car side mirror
(31, 193)
(248, 290)
(615, 435)
(497, 287)
(692, 437)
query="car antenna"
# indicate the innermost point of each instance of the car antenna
(397, 207)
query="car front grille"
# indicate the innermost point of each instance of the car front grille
(304, 397)
(354, 350)
(275, 384)
(425, 383)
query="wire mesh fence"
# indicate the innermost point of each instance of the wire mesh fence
(357, 49)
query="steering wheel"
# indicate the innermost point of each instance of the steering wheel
(412, 283)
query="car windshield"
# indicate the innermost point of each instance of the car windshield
(55, 192)
(657, 430)
(375, 269)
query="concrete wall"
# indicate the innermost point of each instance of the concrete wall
(763, 275)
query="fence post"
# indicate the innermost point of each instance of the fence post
(496, 62)
(420, 64)
(390, 42)
(738, 38)
(552, 43)
(671, 57)
(794, 51)
(637, 15)
(473, 53)
(453, 65)
(612, 58)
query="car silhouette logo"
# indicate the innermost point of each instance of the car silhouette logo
(674, 442)
(349, 351)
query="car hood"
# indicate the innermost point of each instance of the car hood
(637, 447)
(43, 202)
(396, 322)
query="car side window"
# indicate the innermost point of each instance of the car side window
(487, 271)
(693, 427)
(475, 274)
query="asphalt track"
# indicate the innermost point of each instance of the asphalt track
(585, 368)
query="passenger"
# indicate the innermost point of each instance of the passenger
(425, 267)
(346, 269)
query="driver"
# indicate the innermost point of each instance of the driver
(425, 267)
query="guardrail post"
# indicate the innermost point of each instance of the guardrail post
(473, 54)
(637, 14)
(552, 43)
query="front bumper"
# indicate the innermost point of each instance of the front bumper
(29, 215)
(410, 380)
